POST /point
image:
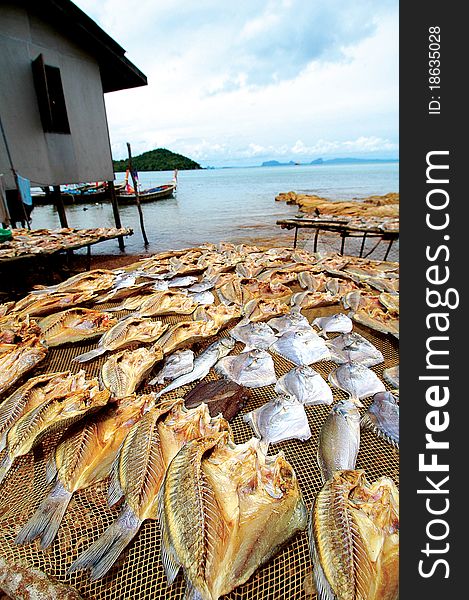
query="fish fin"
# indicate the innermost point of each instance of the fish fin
(101, 555)
(322, 585)
(114, 492)
(51, 469)
(86, 356)
(5, 466)
(191, 593)
(168, 554)
(45, 522)
(356, 401)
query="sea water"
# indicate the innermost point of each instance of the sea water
(227, 204)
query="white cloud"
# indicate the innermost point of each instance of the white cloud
(257, 78)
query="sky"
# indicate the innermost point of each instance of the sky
(239, 83)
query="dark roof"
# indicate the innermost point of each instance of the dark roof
(117, 72)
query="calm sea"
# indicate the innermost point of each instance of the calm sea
(232, 204)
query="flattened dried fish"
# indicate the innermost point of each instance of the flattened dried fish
(231, 292)
(123, 372)
(391, 376)
(302, 300)
(254, 288)
(203, 298)
(390, 301)
(339, 439)
(182, 281)
(202, 286)
(281, 419)
(167, 303)
(301, 347)
(383, 417)
(51, 416)
(294, 321)
(216, 513)
(33, 393)
(306, 385)
(202, 364)
(222, 315)
(254, 335)
(252, 369)
(221, 396)
(82, 458)
(261, 310)
(179, 363)
(74, 325)
(356, 380)
(123, 334)
(185, 333)
(94, 281)
(18, 359)
(138, 473)
(338, 323)
(35, 306)
(354, 538)
(352, 347)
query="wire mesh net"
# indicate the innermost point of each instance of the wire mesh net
(138, 573)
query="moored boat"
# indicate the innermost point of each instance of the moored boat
(156, 193)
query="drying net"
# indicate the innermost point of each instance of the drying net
(138, 574)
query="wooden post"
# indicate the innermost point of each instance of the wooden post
(59, 205)
(115, 210)
(137, 198)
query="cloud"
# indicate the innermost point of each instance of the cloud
(264, 78)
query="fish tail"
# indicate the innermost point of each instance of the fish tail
(45, 522)
(101, 555)
(5, 466)
(86, 356)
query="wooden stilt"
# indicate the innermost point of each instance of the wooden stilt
(115, 210)
(362, 247)
(59, 205)
(296, 237)
(137, 198)
(316, 236)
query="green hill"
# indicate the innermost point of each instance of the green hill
(157, 160)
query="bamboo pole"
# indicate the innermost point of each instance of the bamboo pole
(137, 198)
(115, 210)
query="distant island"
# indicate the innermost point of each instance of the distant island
(160, 159)
(331, 161)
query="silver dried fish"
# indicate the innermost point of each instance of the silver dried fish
(177, 364)
(383, 417)
(301, 347)
(252, 369)
(353, 347)
(306, 385)
(254, 335)
(357, 380)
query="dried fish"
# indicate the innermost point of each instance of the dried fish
(282, 418)
(261, 310)
(50, 416)
(35, 306)
(254, 335)
(202, 286)
(182, 281)
(216, 513)
(222, 315)
(354, 538)
(186, 333)
(167, 303)
(357, 380)
(94, 281)
(202, 364)
(123, 372)
(82, 458)
(339, 439)
(383, 417)
(138, 473)
(123, 334)
(179, 363)
(203, 298)
(390, 301)
(301, 347)
(352, 347)
(18, 359)
(221, 396)
(74, 325)
(391, 376)
(338, 323)
(294, 321)
(231, 292)
(306, 385)
(302, 300)
(252, 369)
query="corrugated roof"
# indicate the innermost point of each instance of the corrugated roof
(117, 72)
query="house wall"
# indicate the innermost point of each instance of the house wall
(84, 155)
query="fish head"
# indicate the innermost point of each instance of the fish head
(226, 345)
(348, 410)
